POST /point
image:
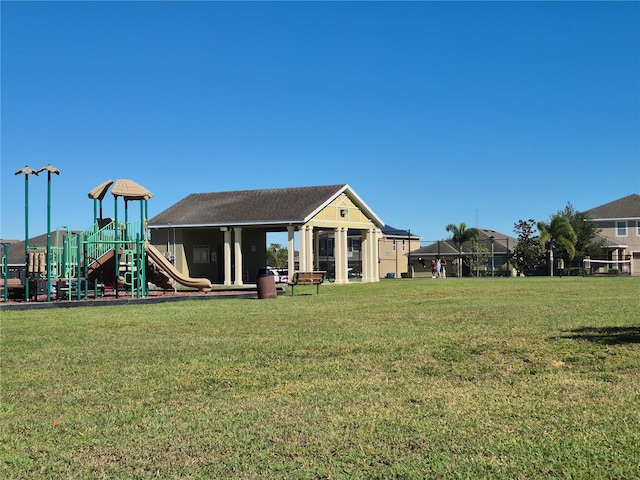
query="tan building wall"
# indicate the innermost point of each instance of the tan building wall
(393, 255)
(626, 235)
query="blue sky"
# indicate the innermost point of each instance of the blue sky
(433, 112)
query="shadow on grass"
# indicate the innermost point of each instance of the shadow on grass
(606, 335)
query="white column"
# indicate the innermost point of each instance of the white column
(365, 255)
(341, 255)
(316, 250)
(237, 241)
(302, 254)
(227, 257)
(374, 246)
(337, 256)
(291, 261)
(309, 244)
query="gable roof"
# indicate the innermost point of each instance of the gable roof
(501, 243)
(255, 207)
(625, 208)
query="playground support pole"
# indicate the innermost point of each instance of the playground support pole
(65, 257)
(49, 236)
(26, 171)
(138, 266)
(78, 272)
(5, 272)
(50, 169)
(142, 237)
(116, 245)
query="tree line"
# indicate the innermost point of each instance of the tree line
(568, 235)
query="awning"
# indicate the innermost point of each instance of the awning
(130, 190)
(100, 191)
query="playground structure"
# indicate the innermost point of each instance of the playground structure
(111, 255)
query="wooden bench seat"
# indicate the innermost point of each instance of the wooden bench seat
(15, 288)
(307, 278)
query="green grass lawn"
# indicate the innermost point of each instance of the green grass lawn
(456, 378)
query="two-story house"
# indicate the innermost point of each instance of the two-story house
(620, 224)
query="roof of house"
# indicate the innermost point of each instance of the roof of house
(255, 207)
(389, 231)
(16, 254)
(501, 243)
(608, 242)
(624, 208)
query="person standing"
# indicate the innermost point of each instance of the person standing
(443, 267)
(433, 268)
(438, 266)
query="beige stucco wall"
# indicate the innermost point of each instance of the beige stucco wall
(395, 261)
(330, 216)
(631, 240)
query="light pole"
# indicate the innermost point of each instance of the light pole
(26, 171)
(50, 169)
(409, 272)
(493, 267)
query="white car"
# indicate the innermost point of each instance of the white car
(284, 275)
(276, 275)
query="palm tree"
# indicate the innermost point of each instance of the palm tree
(459, 235)
(558, 232)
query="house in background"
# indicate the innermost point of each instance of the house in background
(488, 255)
(619, 222)
(222, 236)
(394, 246)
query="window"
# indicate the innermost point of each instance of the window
(621, 228)
(353, 244)
(638, 228)
(403, 245)
(394, 245)
(200, 254)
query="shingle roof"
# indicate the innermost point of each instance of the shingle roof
(247, 206)
(442, 247)
(624, 208)
(502, 244)
(16, 250)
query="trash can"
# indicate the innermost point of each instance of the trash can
(266, 284)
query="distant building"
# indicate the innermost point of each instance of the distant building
(222, 235)
(394, 247)
(488, 255)
(620, 224)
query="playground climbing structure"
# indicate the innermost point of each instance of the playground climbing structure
(113, 254)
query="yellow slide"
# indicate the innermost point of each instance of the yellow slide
(202, 284)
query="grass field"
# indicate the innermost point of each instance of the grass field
(457, 378)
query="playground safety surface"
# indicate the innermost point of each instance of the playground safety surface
(155, 296)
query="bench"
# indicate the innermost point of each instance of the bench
(307, 278)
(15, 288)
